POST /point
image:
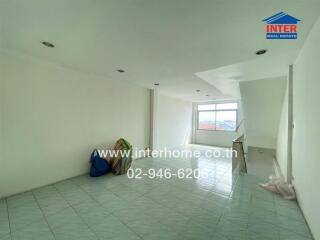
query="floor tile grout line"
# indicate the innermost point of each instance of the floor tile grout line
(56, 212)
(275, 208)
(71, 206)
(43, 214)
(9, 222)
(89, 227)
(250, 196)
(229, 198)
(225, 206)
(188, 217)
(138, 235)
(249, 187)
(20, 229)
(247, 227)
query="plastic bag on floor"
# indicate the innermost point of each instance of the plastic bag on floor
(279, 186)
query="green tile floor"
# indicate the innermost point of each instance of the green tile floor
(221, 206)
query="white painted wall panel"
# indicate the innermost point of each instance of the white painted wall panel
(262, 104)
(54, 117)
(306, 132)
(174, 122)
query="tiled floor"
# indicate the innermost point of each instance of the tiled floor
(260, 161)
(219, 207)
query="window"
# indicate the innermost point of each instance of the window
(217, 117)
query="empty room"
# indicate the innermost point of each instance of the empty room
(159, 119)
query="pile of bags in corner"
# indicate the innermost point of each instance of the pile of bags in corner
(279, 186)
(117, 164)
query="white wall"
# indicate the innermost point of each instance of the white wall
(306, 132)
(54, 117)
(282, 139)
(1, 128)
(262, 103)
(215, 138)
(174, 122)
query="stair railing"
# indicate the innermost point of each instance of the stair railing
(238, 155)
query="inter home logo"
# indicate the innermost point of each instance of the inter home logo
(281, 26)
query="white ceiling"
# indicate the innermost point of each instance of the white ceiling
(165, 41)
(227, 78)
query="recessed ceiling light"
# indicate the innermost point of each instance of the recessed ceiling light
(262, 51)
(47, 44)
(157, 84)
(120, 70)
(197, 90)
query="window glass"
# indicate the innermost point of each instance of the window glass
(206, 120)
(206, 107)
(226, 120)
(217, 116)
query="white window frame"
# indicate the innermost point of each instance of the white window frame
(220, 110)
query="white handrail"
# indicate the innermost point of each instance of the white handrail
(239, 125)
